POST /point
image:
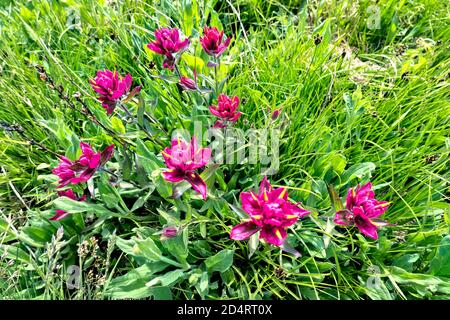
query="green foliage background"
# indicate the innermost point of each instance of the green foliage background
(357, 104)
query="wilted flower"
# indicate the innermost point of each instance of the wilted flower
(83, 169)
(61, 214)
(226, 109)
(212, 41)
(167, 42)
(276, 113)
(270, 212)
(111, 87)
(362, 210)
(182, 160)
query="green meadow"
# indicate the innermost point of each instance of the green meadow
(361, 90)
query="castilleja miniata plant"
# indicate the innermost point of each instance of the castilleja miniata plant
(213, 41)
(167, 43)
(362, 210)
(270, 213)
(82, 169)
(226, 110)
(182, 161)
(111, 88)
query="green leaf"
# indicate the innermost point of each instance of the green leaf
(253, 243)
(187, 23)
(14, 253)
(118, 125)
(379, 292)
(422, 283)
(203, 230)
(138, 203)
(109, 195)
(38, 234)
(440, 265)
(132, 284)
(362, 171)
(167, 279)
(335, 199)
(148, 249)
(329, 165)
(126, 165)
(406, 261)
(317, 247)
(149, 160)
(202, 286)
(221, 181)
(72, 206)
(162, 293)
(193, 61)
(215, 21)
(178, 247)
(169, 78)
(125, 245)
(220, 262)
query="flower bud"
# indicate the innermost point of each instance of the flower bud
(170, 232)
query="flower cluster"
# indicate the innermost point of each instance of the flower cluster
(212, 41)
(183, 159)
(168, 43)
(79, 171)
(362, 210)
(226, 110)
(111, 87)
(269, 210)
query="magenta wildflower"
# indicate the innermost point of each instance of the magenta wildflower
(276, 113)
(362, 210)
(111, 87)
(226, 110)
(167, 42)
(270, 212)
(188, 83)
(212, 41)
(169, 232)
(219, 125)
(83, 169)
(182, 160)
(61, 214)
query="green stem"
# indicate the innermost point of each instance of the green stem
(155, 139)
(170, 261)
(177, 71)
(117, 177)
(216, 61)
